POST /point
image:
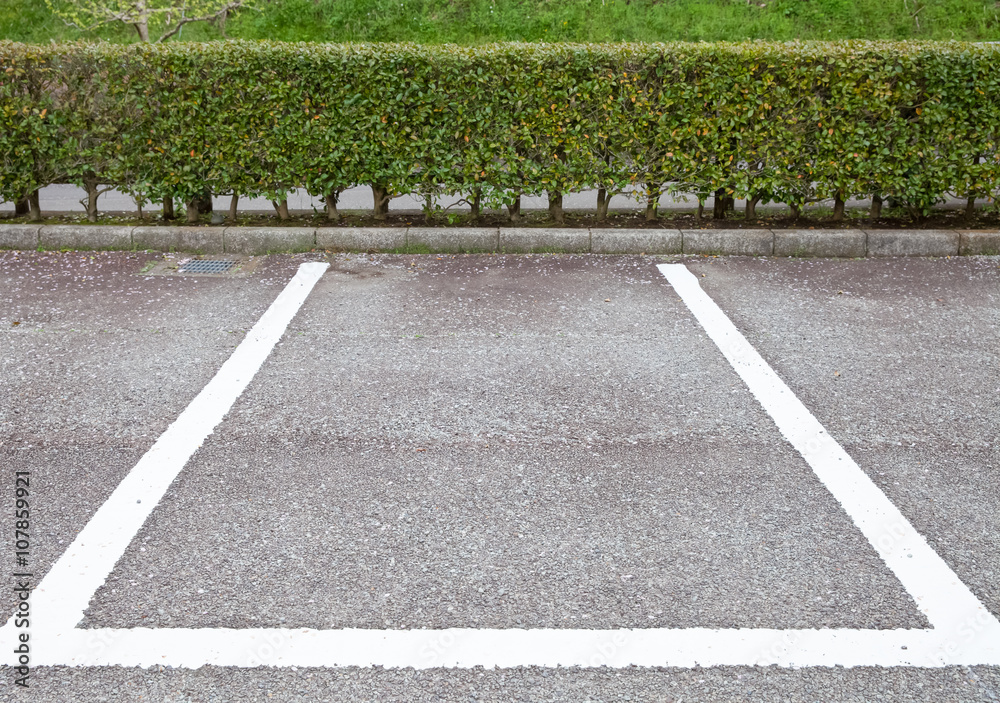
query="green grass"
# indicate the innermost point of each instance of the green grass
(478, 21)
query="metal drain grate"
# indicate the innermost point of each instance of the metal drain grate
(206, 266)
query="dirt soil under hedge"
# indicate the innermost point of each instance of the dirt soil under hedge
(895, 219)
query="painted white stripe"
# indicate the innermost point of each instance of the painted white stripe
(964, 633)
(936, 589)
(465, 648)
(58, 602)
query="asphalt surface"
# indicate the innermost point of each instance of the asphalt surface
(488, 441)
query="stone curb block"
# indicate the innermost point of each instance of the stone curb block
(739, 242)
(454, 239)
(927, 242)
(543, 239)
(849, 243)
(19, 236)
(361, 238)
(635, 241)
(201, 240)
(971, 243)
(86, 237)
(261, 240)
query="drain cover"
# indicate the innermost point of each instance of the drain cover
(187, 265)
(206, 266)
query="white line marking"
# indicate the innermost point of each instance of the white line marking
(466, 648)
(58, 602)
(964, 631)
(937, 590)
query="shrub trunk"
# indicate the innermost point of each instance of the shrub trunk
(719, 206)
(514, 208)
(876, 211)
(331, 199)
(652, 201)
(838, 209)
(555, 207)
(34, 210)
(602, 204)
(28, 207)
(428, 210)
(380, 196)
(281, 207)
(90, 184)
(477, 203)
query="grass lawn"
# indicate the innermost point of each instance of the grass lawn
(478, 21)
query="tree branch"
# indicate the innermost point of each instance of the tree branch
(205, 18)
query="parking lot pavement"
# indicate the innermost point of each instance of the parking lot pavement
(96, 362)
(507, 442)
(899, 360)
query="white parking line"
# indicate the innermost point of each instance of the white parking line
(938, 592)
(963, 630)
(59, 601)
(467, 648)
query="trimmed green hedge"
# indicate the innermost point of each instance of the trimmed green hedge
(790, 123)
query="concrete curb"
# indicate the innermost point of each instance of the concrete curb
(201, 240)
(453, 239)
(524, 240)
(636, 241)
(849, 243)
(741, 242)
(89, 237)
(846, 243)
(978, 243)
(263, 240)
(926, 242)
(19, 236)
(361, 238)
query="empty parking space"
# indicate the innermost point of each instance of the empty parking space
(899, 361)
(96, 362)
(504, 445)
(481, 443)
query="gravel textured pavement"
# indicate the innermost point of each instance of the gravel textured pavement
(502, 441)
